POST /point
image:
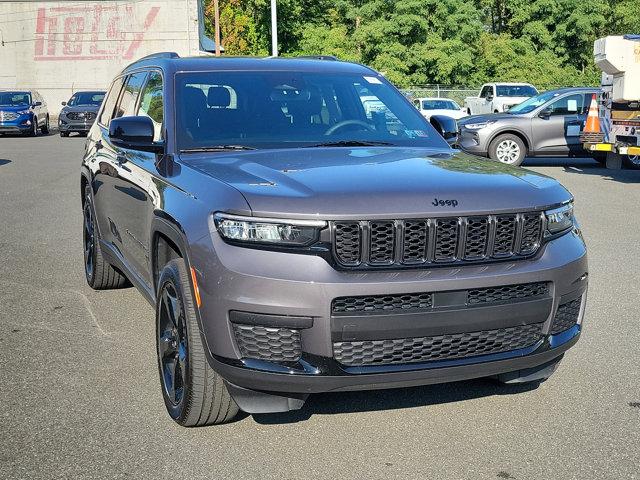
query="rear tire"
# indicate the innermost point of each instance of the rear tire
(600, 157)
(45, 127)
(508, 148)
(194, 394)
(100, 274)
(631, 161)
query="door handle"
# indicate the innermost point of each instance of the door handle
(99, 145)
(120, 159)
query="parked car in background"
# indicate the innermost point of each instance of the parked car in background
(499, 97)
(79, 112)
(548, 124)
(23, 111)
(295, 223)
(439, 106)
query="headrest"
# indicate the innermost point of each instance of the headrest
(218, 97)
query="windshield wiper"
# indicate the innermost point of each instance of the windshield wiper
(217, 148)
(350, 143)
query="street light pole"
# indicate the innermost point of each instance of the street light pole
(216, 19)
(274, 29)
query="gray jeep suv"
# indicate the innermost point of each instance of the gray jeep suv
(295, 236)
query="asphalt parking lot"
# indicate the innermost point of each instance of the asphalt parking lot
(81, 396)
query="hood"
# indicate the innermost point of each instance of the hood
(457, 114)
(364, 182)
(80, 108)
(14, 108)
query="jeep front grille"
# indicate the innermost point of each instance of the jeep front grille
(440, 347)
(412, 242)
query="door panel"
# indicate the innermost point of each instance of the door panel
(559, 133)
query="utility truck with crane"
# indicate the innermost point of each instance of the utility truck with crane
(614, 134)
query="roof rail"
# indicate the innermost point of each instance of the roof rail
(160, 55)
(320, 57)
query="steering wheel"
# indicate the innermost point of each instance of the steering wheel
(346, 123)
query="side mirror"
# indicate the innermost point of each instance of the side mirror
(64, 104)
(135, 133)
(447, 127)
(545, 112)
(489, 98)
(37, 104)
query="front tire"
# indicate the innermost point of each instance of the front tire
(194, 394)
(100, 274)
(64, 134)
(34, 128)
(508, 148)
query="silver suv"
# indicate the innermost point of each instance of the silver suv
(548, 124)
(299, 227)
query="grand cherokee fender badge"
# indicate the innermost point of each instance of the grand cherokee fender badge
(441, 203)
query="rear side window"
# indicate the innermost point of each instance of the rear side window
(129, 97)
(152, 102)
(110, 102)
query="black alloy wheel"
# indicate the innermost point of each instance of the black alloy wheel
(89, 241)
(172, 345)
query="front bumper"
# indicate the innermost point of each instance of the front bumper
(293, 286)
(20, 125)
(74, 126)
(475, 141)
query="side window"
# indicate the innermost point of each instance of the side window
(129, 97)
(486, 91)
(110, 101)
(569, 105)
(152, 102)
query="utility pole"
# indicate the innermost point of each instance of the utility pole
(274, 29)
(216, 19)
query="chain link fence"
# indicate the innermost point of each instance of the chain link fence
(457, 94)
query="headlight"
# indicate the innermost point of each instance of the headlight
(268, 230)
(477, 126)
(560, 219)
(22, 112)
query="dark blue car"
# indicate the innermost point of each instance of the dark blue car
(23, 112)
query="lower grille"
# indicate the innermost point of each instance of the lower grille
(267, 343)
(441, 347)
(566, 316)
(506, 293)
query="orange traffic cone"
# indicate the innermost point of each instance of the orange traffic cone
(593, 121)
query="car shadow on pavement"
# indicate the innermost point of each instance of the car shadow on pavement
(585, 166)
(393, 399)
(4, 162)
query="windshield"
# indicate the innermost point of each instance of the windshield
(440, 105)
(515, 91)
(532, 103)
(15, 98)
(86, 98)
(280, 109)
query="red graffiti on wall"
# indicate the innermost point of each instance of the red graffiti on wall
(93, 32)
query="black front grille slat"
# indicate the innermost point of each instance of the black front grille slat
(505, 293)
(87, 116)
(412, 242)
(382, 303)
(475, 245)
(505, 235)
(440, 347)
(347, 243)
(446, 239)
(415, 241)
(566, 316)
(381, 242)
(531, 230)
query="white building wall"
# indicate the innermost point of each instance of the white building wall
(59, 47)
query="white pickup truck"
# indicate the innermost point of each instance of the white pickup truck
(499, 97)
